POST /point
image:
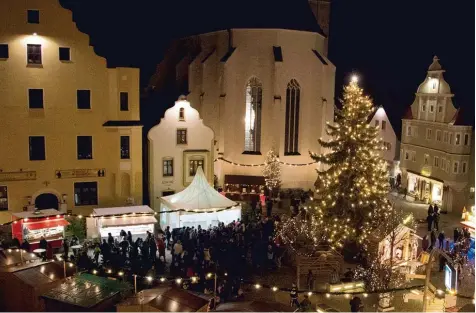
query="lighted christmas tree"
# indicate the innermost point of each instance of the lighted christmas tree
(354, 185)
(272, 170)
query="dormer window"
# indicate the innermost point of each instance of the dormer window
(434, 84)
(182, 114)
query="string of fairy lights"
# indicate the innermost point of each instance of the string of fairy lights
(112, 216)
(263, 164)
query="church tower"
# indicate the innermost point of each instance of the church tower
(322, 13)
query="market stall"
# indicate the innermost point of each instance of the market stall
(32, 225)
(198, 204)
(136, 219)
(405, 245)
(468, 220)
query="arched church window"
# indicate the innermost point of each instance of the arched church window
(253, 100)
(291, 132)
(182, 114)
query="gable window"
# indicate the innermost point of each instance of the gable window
(3, 51)
(438, 135)
(85, 147)
(291, 133)
(124, 101)
(125, 147)
(181, 116)
(194, 165)
(466, 139)
(168, 167)
(33, 53)
(64, 54)
(37, 148)
(376, 123)
(33, 17)
(83, 99)
(426, 159)
(181, 136)
(85, 193)
(457, 139)
(436, 161)
(429, 133)
(35, 98)
(253, 98)
(464, 166)
(384, 125)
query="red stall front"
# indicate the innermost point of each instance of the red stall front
(32, 225)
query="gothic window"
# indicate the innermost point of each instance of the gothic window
(254, 92)
(291, 135)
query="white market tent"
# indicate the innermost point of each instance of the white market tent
(137, 219)
(201, 205)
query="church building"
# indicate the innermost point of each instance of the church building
(259, 87)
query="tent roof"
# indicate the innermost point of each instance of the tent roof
(37, 213)
(122, 210)
(199, 195)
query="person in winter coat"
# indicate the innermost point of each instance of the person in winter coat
(429, 220)
(430, 209)
(294, 296)
(356, 304)
(432, 239)
(441, 240)
(436, 220)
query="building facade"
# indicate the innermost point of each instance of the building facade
(71, 137)
(178, 145)
(257, 89)
(389, 138)
(436, 146)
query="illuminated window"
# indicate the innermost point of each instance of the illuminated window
(168, 167)
(253, 99)
(33, 54)
(471, 189)
(384, 125)
(181, 136)
(194, 164)
(291, 133)
(182, 114)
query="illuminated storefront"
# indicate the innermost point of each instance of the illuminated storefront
(469, 220)
(424, 188)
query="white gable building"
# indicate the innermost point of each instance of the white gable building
(178, 145)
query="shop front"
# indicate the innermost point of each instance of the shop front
(469, 220)
(244, 188)
(32, 225)
(425, 188)
(135, 219)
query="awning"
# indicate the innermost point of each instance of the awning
(122, 210)
(244, 180)
(46, 224)
(127, 221)
(426, 177)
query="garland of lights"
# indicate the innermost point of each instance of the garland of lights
(25, 219)
(263, 164)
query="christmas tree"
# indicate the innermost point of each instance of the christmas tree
(272, 170)
(354, 185)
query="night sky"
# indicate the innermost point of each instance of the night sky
(390, 44)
